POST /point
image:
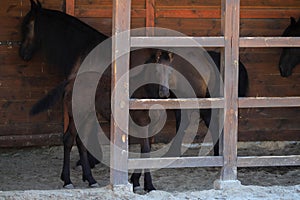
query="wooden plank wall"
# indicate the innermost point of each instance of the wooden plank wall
(23, 83)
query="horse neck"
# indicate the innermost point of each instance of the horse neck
(65, 40)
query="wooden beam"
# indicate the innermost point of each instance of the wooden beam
(70, 7)
(231, 34)
(177, 41)
(250, 102)
(150, 13)
(269, 42)
(120, 105)
(176, 162)
(262, 161)
(142, 104)
(243, 102)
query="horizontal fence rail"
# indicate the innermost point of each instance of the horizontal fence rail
(176, 162)
(212, 161)
(177, 41)
(249, 102)
(213, 41)
(263, 161)
(269, 42)
(192, 103)
(189, 103)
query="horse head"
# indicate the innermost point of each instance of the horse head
(163, 72)
(29, 42)
(290, 56)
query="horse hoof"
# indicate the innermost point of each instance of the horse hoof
(138, 190)
(149, 189)
(69, 186)
(95, 185)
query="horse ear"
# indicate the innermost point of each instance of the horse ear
(33, 5)
(39, 5)
(293, 21)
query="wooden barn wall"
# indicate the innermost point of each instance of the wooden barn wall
(23, 83)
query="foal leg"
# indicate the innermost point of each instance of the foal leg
(86, 169)
(135, 177)
(68, 141)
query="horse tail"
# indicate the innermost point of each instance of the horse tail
(49, 100)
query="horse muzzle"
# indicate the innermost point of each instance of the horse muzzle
(164, 92)
(25, 53)
(284, 73)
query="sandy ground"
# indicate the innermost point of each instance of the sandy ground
(33, 173)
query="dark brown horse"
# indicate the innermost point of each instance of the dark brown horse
(65, 41)
(290, 56)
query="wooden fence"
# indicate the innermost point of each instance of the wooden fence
(22, 84)
(231, 42)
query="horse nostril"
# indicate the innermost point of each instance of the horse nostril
(284, 72)
(161, 94)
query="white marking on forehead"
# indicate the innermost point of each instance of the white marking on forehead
(31, 29)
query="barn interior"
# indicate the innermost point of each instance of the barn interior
(24, 83)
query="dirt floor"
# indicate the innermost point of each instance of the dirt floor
(37, 169)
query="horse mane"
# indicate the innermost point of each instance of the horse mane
(64, 39)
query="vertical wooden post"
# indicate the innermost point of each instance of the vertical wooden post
(150, 16)
(222, 68)
(150, 13)
(231, 54)
(70, 7)
(120, 105)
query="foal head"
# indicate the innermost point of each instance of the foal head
(290, 56)
(29, 42)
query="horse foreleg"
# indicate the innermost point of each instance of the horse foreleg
(86, 169)
(135, 180)
(148, 185)
(145, 149)
(68, 140)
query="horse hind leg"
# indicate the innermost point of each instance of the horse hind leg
(92, 161)
(68, 140)
(86, 169)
